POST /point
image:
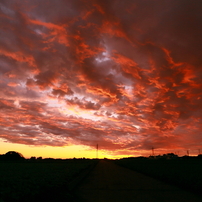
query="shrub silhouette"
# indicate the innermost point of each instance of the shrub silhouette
(12, 155)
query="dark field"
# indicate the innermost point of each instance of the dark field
(54, 180)
(40, 180)
(183, 172)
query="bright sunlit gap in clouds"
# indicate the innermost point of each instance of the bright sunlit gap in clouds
(68, 110)
(103, 57)
(122, 74)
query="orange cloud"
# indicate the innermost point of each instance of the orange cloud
(128, 66)
(19, 56)
(58, 32)
(12, 84)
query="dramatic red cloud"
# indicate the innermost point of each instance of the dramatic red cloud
(126, 75)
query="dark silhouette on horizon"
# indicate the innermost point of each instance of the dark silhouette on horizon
(12, 156)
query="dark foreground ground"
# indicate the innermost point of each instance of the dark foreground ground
(111, 183)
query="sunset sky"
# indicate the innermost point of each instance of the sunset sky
(126, 75)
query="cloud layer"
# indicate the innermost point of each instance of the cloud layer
(124, 74)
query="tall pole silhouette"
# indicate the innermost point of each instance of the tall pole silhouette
(152, 151)
(97, 151)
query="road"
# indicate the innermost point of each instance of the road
(111, 183)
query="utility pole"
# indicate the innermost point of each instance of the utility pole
(187, 152)
(199, 151)
(152, 151)
(97, 151)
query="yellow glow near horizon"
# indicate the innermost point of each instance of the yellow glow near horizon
(77, 151)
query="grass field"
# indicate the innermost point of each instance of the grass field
(38, 180)
(183, 172)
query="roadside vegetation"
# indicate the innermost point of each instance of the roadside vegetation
(185, 172)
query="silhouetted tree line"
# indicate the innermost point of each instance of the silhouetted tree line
(166, 157)
(12, 156)
(16, 156)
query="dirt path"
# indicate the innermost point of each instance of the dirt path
(111, 183)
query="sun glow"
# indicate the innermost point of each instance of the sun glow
(71, 151)
(75, 111)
